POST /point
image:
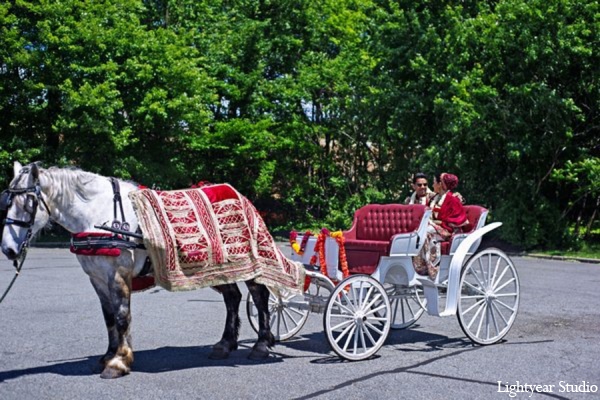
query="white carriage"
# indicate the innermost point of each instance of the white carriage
(480, 288)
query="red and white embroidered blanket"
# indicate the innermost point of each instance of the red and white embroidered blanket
(210, 236)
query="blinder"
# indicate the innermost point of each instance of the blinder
(5, 200)
(30, 206)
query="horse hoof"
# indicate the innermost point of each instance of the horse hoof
(112, 373)
(259, 352)
(105, 358)
(218, 354)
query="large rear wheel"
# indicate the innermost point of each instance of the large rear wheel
(489, 296)
(407, 304)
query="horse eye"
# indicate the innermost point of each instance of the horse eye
(30, 204)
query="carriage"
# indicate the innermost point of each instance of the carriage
(384, 292)
(199, 231)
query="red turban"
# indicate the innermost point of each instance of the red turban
(451, 181)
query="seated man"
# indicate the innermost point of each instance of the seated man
(422, 194)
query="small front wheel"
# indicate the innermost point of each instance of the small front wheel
(357, 317)
(489, 296)
(287, 315)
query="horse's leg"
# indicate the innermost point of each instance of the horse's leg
(115, 297)
(101, 289)
(266, 340)
(229, 341)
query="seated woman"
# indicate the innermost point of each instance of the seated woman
(447, 216)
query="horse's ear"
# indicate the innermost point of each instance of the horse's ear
(35, 171)
(17, 167)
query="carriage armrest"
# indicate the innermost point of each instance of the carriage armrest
(477, 216)
(410, 243)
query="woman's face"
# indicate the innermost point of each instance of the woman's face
(437, 186)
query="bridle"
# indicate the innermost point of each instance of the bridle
(6, 201)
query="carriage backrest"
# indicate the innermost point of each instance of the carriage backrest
(476, 215)
(380, 222)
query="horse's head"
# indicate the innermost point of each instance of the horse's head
(21, 204)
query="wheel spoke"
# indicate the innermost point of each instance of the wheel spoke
(373, 327)
(284, 320)
(514, 294)
(483, 316)
(474, 287)
(493, 278)
(348, 300)
(370, 337)
(362, 337)
(495, 306)
(343, 307)
(374, 310)
(366, 297)
(482, 305)
(288, 312)
(506, 306)
(346, 332)
(504, 285)
(491, 308)
(343, 324)
(477, 303)
(473, 273)
(375, 300)
(500, 278)
(475, 296)
(482, 273)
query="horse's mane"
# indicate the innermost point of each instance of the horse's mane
(71, 182)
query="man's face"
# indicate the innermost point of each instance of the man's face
(420, 186)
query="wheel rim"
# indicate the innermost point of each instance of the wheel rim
(489, 297)
(285, 321)
(407, 305)
(357, 318)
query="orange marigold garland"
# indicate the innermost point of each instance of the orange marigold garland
(319, 252)
(299, 248)
(339, 238)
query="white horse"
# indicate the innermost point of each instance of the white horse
(78, 201)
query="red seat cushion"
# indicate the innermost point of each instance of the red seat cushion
(373, 227)
(473, 215)
(363, 255)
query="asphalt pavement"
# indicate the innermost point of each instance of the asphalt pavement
(52, 333)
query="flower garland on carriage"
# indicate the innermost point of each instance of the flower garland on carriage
(319, 255)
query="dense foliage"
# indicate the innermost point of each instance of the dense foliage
(313, 108)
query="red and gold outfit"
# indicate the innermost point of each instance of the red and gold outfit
(448, 215)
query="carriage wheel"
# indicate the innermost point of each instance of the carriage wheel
(489, 296)
(357, 317)
(407, 304)
(287, 318)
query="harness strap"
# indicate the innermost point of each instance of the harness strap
(117, 199)
(109, 242)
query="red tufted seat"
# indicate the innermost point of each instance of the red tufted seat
(474, 214)
(373, 227)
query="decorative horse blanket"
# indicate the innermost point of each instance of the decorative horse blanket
(210, 236)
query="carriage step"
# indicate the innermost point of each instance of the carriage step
(432, 292)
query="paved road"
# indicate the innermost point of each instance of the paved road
(52, 333)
